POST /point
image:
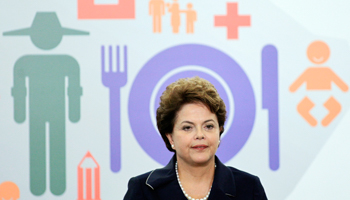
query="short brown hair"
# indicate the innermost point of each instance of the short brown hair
(183, 91)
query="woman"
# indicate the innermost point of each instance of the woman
(191, 119)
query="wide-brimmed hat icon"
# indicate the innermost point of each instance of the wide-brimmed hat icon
(46, 31)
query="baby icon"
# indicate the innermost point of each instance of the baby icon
(319, 78)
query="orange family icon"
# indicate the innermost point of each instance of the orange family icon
(318, 78)
(157, 10)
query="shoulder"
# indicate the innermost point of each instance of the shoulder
(242, 175)
(233, 174)
(144, 186)
(247, 183)
(140, 179)
(136, 187)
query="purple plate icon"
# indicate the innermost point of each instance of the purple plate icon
(194, 60)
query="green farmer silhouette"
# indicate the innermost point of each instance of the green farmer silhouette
(46, 91)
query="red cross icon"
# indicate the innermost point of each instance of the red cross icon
(232, 20)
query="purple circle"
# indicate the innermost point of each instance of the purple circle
(183, 55)
(192, 73)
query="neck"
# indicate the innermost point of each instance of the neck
(195, 173)
(196, 180)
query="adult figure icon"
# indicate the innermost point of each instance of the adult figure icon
(319, 78)
(156, 9)
(174, 9)
(46, 74)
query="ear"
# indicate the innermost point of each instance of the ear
(221, 128)
(170, 138)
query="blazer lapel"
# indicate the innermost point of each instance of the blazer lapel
(224, 186)
(171, 191)
(164, 182)
(163, 175)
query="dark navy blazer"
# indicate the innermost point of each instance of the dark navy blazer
(229, 183)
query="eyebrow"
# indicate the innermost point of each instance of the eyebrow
(193, 123)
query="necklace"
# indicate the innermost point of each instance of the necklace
(186, 195)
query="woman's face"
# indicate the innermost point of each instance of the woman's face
(196, 134)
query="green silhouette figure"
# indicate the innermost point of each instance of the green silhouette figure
(46, 74)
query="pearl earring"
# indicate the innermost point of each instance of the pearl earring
(172, 146)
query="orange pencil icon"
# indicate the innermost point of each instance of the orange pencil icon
(89, 169)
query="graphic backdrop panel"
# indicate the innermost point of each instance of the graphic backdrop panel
(67, 92)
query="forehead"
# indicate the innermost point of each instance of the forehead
(194, 112)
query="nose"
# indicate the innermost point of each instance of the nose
(200, 135)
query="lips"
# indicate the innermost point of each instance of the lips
(200, 147)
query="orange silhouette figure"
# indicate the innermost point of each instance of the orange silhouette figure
(9, 191)
(191, 17)
(156, 9)
(125, 9)
(174, 9)
(318, 78)
(88, 179)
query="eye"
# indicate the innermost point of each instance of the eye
(209, 126)
(186, 128)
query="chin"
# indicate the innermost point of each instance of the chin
(203, 159)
